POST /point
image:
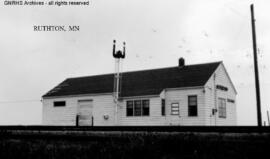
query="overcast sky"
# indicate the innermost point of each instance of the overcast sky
(157, 33)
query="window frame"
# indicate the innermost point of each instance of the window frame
(222, 110)
(229, 100)
(132, 108)
(59, 105)
(190, 106)
(137, 106)
(172, 111)
(148, 106)
(163, 107)
(141, 107)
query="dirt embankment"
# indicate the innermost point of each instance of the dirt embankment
(99, 144)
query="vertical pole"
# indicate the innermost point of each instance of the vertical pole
(92, 121)
(268, 118)
(215, 100)
(117, 79)
(259, 116)
(77, 120)
(117, 90)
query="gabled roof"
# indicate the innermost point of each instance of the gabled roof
(138, 83)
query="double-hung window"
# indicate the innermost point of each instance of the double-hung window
(137, 108)
(145, 107)
(130, 108)
(192, 106)
(221, 107)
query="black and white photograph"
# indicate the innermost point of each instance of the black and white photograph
(134, 79)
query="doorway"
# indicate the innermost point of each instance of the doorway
(85, 113)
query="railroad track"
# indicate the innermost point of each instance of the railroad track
(214, 129)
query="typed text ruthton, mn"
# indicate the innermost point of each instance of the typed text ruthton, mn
(56, 28)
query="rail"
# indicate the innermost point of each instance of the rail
(218, 129)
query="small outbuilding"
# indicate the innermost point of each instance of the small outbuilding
(200, 94)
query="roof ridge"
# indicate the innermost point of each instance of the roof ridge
(172, 67)
(161, 68)
(97, 75)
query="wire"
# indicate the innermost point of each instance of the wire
(20, 101)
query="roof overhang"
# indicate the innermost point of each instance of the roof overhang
(184, 88)
(143, 96)
(127, 97)
(78, 95)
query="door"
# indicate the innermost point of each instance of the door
(85, 112)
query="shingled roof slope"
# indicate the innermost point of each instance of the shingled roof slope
(138, 83)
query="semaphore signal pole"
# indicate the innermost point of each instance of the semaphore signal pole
(258, 98)
(118, 55)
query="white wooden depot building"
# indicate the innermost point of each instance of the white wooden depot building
(200, 94)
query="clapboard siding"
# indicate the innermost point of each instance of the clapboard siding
(212, 94)
(58, 115)
(102, 105)
(181, 96)
(171, 96)
(210, 101)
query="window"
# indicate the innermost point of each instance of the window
(192, 106)
(145, 107)
(59, 103)
(129, 108)
(175, 109)
(223, 88)
(230, 100)
(221, 108)
(138, 108)
(163, 107)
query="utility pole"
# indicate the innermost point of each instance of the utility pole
(268, 118)
(258, 98)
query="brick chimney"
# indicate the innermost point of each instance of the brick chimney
(181, 62)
